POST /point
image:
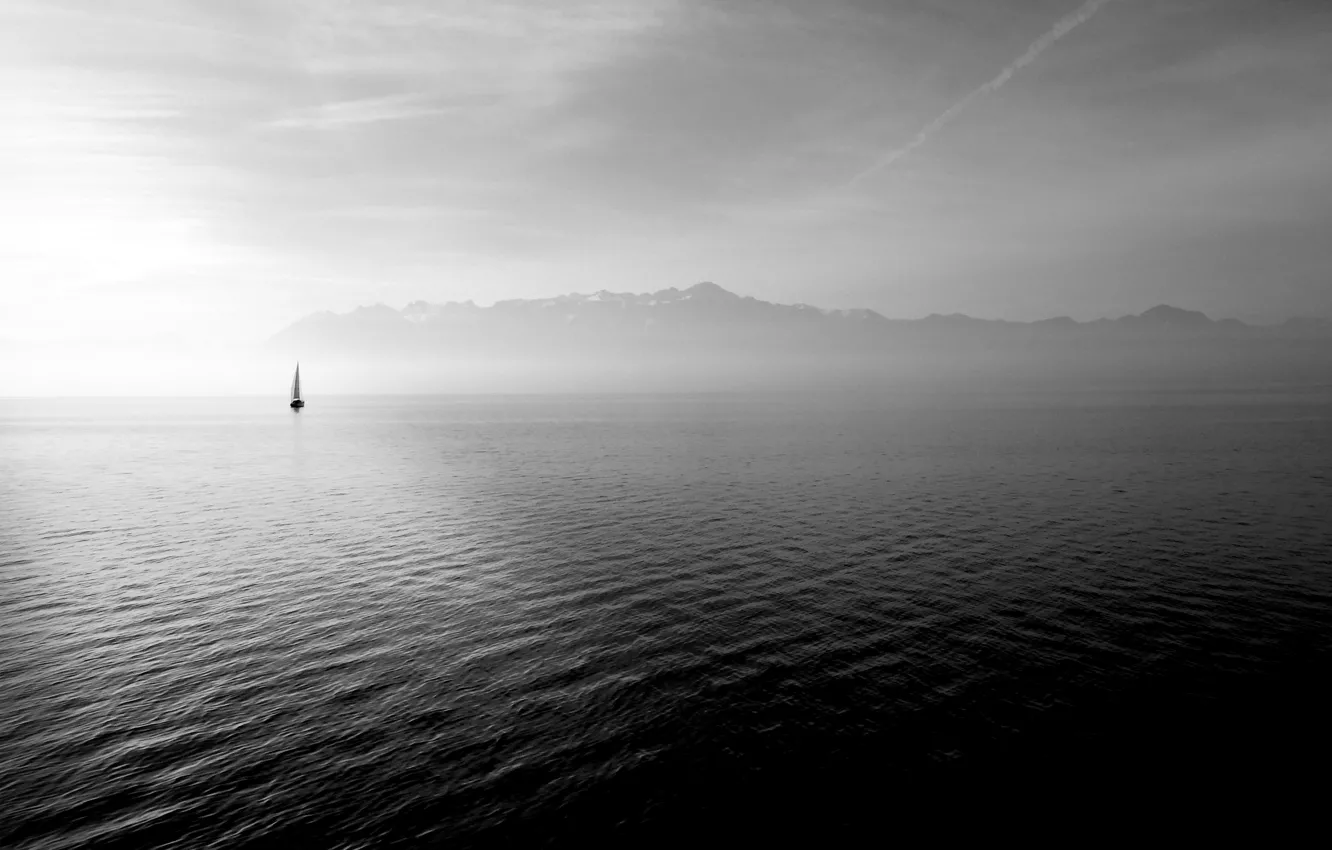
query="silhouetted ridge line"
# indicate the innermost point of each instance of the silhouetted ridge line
(707, 304)
(706, 338)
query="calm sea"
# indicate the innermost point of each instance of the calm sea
(461, 621)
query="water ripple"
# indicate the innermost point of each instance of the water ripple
(441, 622)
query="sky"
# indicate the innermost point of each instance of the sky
(199, 170)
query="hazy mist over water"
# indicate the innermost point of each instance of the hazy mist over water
(441, 423)
(703, 338)
(453, 621)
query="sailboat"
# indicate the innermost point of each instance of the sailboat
(296, 402)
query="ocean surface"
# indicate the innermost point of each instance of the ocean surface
(440, 621)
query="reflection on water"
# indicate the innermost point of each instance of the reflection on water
(383, 621)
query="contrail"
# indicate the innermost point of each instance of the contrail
(1062, 28)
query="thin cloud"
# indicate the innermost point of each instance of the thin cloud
(363, 111)
(1061, 28)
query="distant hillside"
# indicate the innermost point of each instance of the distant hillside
(704, 308)
(704, 333)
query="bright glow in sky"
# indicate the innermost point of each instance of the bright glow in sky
(215, 170)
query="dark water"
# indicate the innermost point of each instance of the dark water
(421, 622)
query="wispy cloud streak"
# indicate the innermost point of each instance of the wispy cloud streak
(398, 107)
(1061, 28)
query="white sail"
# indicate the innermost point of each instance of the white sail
(296, 384)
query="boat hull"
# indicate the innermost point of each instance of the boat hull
(297, 404)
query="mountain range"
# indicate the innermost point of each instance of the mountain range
(708, 307)
(706, 331)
